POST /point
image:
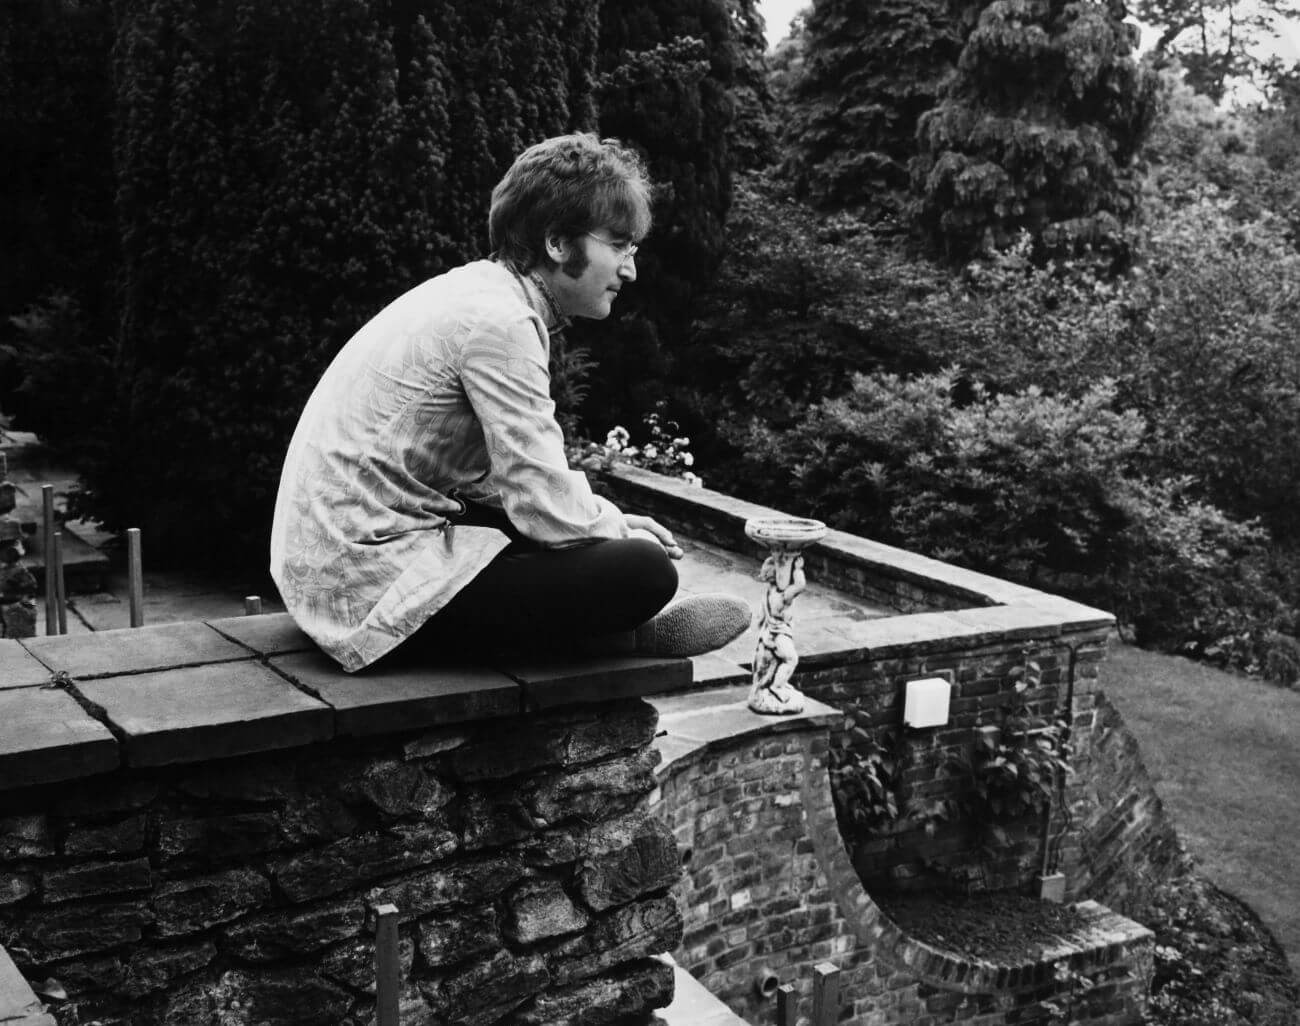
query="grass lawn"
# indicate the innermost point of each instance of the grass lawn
(1225, 755)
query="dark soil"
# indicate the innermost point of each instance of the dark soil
(1001, 927)
(1216, 963)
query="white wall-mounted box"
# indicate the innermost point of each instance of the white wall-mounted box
(925, 702)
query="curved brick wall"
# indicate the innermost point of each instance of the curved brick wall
(1128, 844)
(768, 890)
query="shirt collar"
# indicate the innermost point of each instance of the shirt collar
(542, 300)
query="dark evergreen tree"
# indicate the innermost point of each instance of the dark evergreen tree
(1038, 129)
(56, 214)
(668, 68)
(285, 168)
(869, 71)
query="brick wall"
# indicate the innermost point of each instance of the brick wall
(768, 892)
(903, 856)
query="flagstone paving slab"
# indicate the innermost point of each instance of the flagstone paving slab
(134, 650)
(551, 682)
(19, 668)
(269, 634)
(208, 712)
(400, 697)
(46, 736)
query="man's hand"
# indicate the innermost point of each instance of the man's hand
(652, 530)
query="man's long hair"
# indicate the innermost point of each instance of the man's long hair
(567, 185)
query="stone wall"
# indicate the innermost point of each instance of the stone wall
(212, 873)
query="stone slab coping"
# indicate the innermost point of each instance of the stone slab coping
(695, 720)
(72, 706)
(692, 1003)
(1036, 611)
(19, 1005)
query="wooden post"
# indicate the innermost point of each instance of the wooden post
(47, 538)
(252, 605)
(60, 593)
(135, 576)
(387, 966)
(826, 994)
(787, 1005)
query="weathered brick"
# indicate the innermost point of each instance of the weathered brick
(563, 740)
(538, 909)
(124, 837)
(281, 934)
(486, 990)
(449, 938)
(353, 861)
(627, 995)
(591, 792)
(398, 789)
(148, 971)
(48, 935)
(24, 837)
(476, 882)
(627, 858)
(353, 962)
(190, 905)
(625, 935)
(291, 997)
(90, 879)
(15, 886)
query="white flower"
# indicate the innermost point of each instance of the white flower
(650, 452)
(688, 460)
(681, 443)
(693, 480)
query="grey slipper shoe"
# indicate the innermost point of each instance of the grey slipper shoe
(694, 625)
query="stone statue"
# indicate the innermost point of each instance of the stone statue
(775, 657)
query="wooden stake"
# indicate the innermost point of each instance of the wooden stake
(252, 605)
(826, 994)
(387, 966)
(60, 595)
(47, 538)
(787, 1005)
(135, 576)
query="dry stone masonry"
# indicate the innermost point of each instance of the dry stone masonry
(197, 822)
(189, 844)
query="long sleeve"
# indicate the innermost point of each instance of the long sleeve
(507, 382)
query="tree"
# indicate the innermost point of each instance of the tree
(668, 69)
(56, 208)
(1037, 130)
(869, 71)
(283, 169)
(1214, 40)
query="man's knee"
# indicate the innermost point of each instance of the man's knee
(653, 571)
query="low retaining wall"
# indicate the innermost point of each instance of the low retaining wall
(768, 893)
(161, 880)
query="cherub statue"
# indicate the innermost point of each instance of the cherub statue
(775, 657)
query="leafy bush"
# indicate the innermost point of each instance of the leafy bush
(1045, 490)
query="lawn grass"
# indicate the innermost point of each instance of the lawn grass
(1224, 751)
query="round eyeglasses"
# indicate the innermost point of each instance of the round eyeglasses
(625, 250)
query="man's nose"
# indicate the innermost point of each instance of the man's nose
(627, 269)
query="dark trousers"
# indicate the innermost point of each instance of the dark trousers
(530, 597)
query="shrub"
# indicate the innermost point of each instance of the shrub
(1044, 490)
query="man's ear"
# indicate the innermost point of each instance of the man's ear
(557, 247)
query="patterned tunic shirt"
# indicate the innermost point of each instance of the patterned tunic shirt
(445, 391)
